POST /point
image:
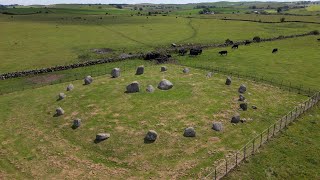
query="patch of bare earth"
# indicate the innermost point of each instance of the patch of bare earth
(102, 50)
(45, 79)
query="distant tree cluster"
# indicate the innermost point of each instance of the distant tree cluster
(203, 7)
(205, 11)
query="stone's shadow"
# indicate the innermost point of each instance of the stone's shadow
(148, 141)
(96, 141)
(56, 115)
(74, 127)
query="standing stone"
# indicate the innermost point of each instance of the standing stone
(242, 89)
(165, 85)
(102, 136)
(59, 111)
(209, 75)
(228, 81)
(70, 87)
(150, 89)
(186, 70)
(241, 97)
(217, 126)
(76, 123)
(189, 132)
(151, 135)
(61, 96)
(115, 72)
(163, 69)
(235, 118)
(140, 70)
(133, 87)
(254, 107)
(88, 80)
(244, 106)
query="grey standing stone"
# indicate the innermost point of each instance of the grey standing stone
(133, 87)
(102, 136)
(235, 118)
(61, 96)
(164, 68)
(209, 75)
(254, 107)
(244, 106)
(241, 97)
(217, 126)
(150, 89)
(242, 88)
(228, 81)
(88, 80)
(189, 132)
(165, 85)
(59, 111)
(70, 87)
(115, 72)
(140, 70)
(151, 135)
(186, 70)
(76, 123)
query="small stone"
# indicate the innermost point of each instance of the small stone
(70, 87)
(217, 126)
(150, 89)
(254, 107)
(133, 87)
(235, 119)
(244, 106)
(228, 81)
(189, 132)
(88, 80)
(59, 111)
(102, 136)
(61, 96)
(209, 75)
(76, 123)
(241, 97)
(165, 85)
(186, 70)
(242, 89)
(151, 135)
(140, 70)
(163, 69)
(115, 72)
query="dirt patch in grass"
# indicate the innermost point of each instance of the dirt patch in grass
(46, 79)
(102, 50)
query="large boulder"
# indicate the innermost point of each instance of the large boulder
(186, 70)
(228, 81)
(61, 96)
(150, 89)
(140, 70)
(217, 126)
(244, 106)
(189, 132)
(102, 136)
(133, 87)
(59, 111)
(164, 68)
(88, 80)
(235, 118)
(242, 88)
(151, 136)
(165, 85)
(70, 87)
(115, 72)
(76, 123)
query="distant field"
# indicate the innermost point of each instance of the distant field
(33, 139)
(36, 41)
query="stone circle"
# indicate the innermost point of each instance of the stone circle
(140, 70)
(164, 68)
(244, 106)
(70, 87)
(59, 111)
(88, 80)
(150, 89)
(189, 132)
(61, 96)
(217, 126)
(235, 118)
(76, 123)
(228, 81)
(102, 136)
(186, 70)
(242, 88)
(133, 87)
(115, 72)
(165, 85)
(151, 135)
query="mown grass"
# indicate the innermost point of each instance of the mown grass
(296, 62)
(33, 139)
(35, 41)
(294, 154)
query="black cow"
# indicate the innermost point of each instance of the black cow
(319, 39)
(223, 53)
(182, 51)
(235, 46)
(275, 50)
(195, 52)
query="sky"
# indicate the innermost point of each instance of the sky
(46, 2)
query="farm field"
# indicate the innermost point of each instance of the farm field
(104, 107)
(37, 41)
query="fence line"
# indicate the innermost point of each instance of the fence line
(254, 144)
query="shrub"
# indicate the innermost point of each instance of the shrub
(228, 41)
(315, 32)
(256, 39)
(282, 19)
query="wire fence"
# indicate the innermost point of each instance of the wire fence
(230, 162)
